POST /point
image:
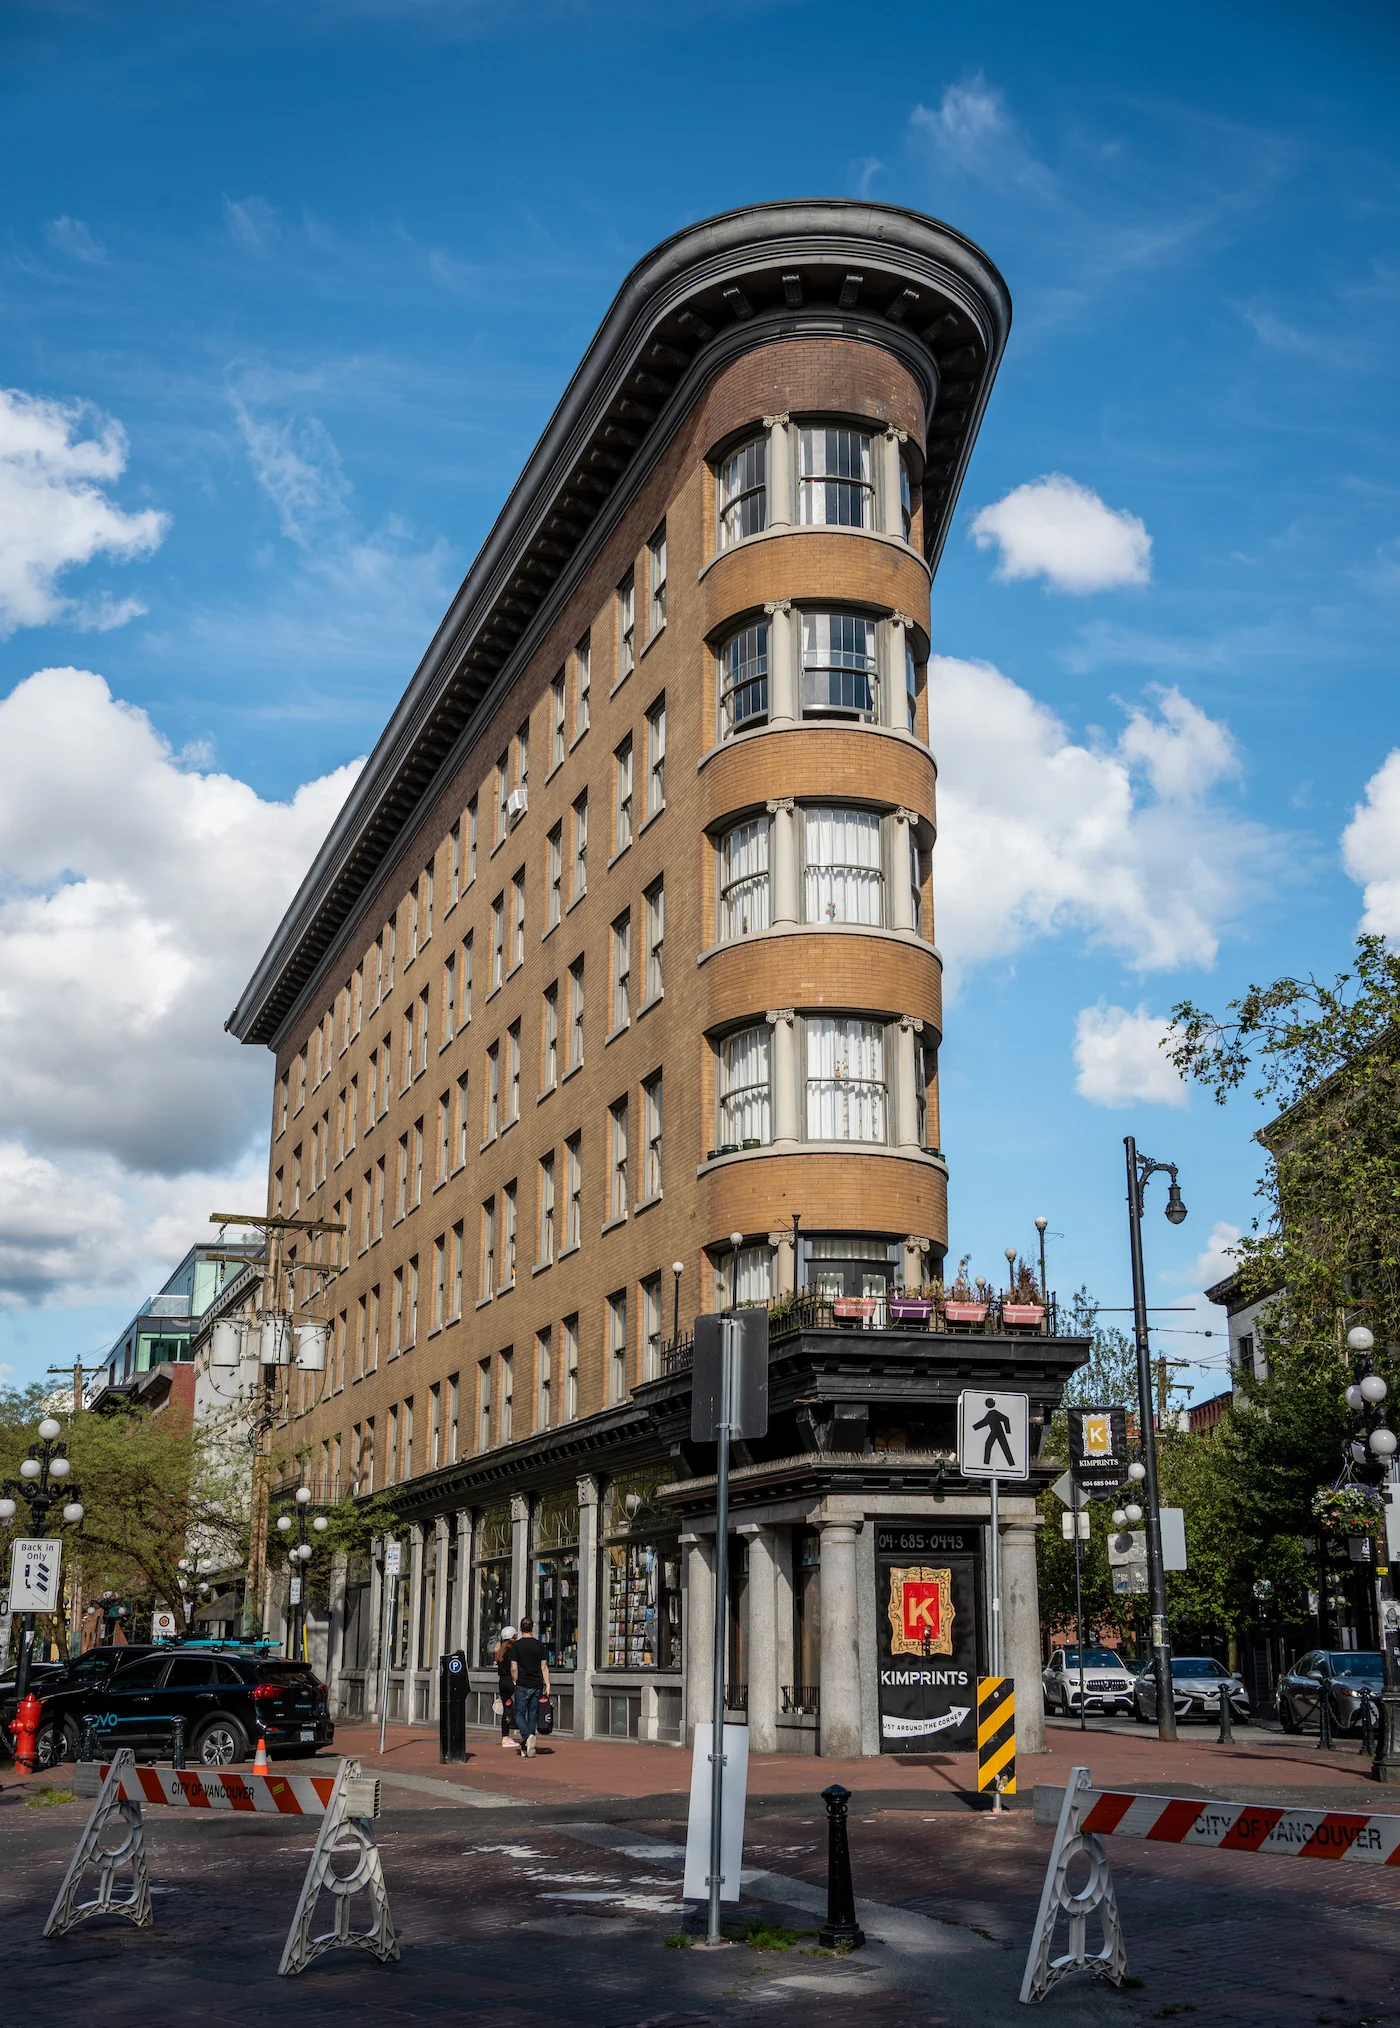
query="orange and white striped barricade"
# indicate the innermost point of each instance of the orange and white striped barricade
(346, 1801)
(1086, 1816)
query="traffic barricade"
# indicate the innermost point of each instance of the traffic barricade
(1084, 1816)
(346, 1801)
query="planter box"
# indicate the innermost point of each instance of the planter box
(966, 1313)
(854, 1308)
(1022, 1314)
(910, 1309)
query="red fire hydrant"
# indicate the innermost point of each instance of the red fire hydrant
(25, 1726)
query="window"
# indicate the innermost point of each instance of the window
(838, 665)
(444, 1165)
(622, 810)
(406, 1051)
(502, 796)
(545, 1252)
(508, 1237)
(916, 899)
(396, 1325)
(426, 893)
(377, 955)
(488, 1249)
(366, 1213)
(373, 1336)
(747, 1277)
(835, 480)
(626, 626)
(617, 1346)
(925, 1071)
(845, 1080)
(651, 1327)
(411, 1322)
(544, 1378)
(522, 765)
(423, 1029)
(617, 1160)
(357, 994)
(517, 920)
(483, 1405)
(498, 940)
(402, 1211)
(651, 1137)
(744, 904)
(458, 1248)
(573, 1178)
(743, 492)
(656, 573)
(656, 938)
(391, 1471)
(493, 1091)
(471, 841)
(556, 722)
(454, 867)
(513, 1073)
(407, 1424)
(391, 938)
(354, 1108)
(570, 1335)
(417, 1163)
(379, 1198)
(466, 1006)
(583, 684)
(550, 1074)
(656, 757)
(906, 499)
(622, 972)
(504, 1415)
(911, 687)
(576, 1014)
(843, 876)
(461, 1121)
(744, 679)
(449, 1000)
(439, 1282)
(434, 1426)
(580, 873)
(412, 925)
(554, 877)
(361, 1315)
(386, 1074)
(745, 1098)
(454, 1392)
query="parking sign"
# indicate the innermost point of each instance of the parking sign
(34, 1573)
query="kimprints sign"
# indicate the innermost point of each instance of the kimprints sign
(927, 1602)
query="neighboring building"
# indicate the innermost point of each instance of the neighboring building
(623, 944)
(1208, 1415)
(161, 1334)
(1246, 1322)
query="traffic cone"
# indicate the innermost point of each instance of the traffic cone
(261, 1763)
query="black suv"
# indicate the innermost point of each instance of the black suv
(54, 1683)
(227, 1700)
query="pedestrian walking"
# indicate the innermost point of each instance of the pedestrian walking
(529, 1668)
(505, 1684)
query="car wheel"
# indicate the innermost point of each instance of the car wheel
(219, 1743)
(48, 1746)
(1286, 1717)
(1138, 1713)
(72, 1739)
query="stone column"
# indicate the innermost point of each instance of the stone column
(915, 1253)
(783, 861)
(443, 1529)
(783, 1023)
(783, 1614)
(893, 515)
(783, 703)
(840, 1685)
(896, 711)
(780, 487)
(460, 1630)
(1020, 1614)
(901, 912)
(587, 1606)
(376, 1627)
(699, 1631)
(761, 1641)
(335, 1628)
(781, 1243)
(906, 1075)
(415, 1619)
(519, 1557)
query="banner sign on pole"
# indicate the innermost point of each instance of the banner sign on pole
(926, 1604)
(35, 1565)
(1098, 1447)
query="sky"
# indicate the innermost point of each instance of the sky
(286, 298)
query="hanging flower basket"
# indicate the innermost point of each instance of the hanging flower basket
(1348, 1510)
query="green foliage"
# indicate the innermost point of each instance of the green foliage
(351, 1526)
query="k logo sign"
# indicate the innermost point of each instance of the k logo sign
(921, 1612)
(1098, 1436)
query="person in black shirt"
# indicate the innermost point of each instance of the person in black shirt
(529, 1670)
(505, 1683)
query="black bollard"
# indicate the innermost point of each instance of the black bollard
(1324, 1724)
(177, 1742)
(1227, 1730)
(88, 1749)
(842, 1932)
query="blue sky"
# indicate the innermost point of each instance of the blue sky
(284, 304)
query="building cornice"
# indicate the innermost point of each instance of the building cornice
(807, 268)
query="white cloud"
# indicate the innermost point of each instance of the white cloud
(1213, 1262)
(1039, 834)
(972, 133)
(298, 467)
(70, 236)
(135, 896)
(1120, 1059)
(54, 512)
(1059, 530)
(1371, 849)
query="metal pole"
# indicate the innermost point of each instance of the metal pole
(1386, 1765)
(996, 1602)
(1078, 1589)
(386, 1639)
(676, 1307)
(1156, 1575)
(728, 1333)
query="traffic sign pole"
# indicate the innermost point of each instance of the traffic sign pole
(392, 1553)
(729, 1330)
(1078, 1593)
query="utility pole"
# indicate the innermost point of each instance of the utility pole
(1163, 1368)
(265, 1415)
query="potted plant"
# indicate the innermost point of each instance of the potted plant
(966, 1303)
(1348, 1509)
(907, 1308)
(1023, 1305)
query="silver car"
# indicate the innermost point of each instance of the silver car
(1108, 1681)
(1198, 1682)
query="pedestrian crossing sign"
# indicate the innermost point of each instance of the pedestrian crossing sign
(993, 1434)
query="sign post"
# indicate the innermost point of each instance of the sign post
(994, 1444)
(393, 1553)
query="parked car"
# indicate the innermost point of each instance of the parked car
(1108, 1681)
(1342, 1677)
(58, 1679)
(227, 1700)
(1198, 1682)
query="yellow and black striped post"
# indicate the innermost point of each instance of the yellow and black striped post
(996, 1734)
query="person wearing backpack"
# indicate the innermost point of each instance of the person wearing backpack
(529, 1668)
(505, 1684)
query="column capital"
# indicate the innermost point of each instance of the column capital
(774, 1015)
(781, 806)
(910, 1024)
(895, 435)
(901, 619)
(918, 1242)
(587, 1490)
(776, 1239)
(778, 606)
(519, 1507)
(774, 422)
(904, 816)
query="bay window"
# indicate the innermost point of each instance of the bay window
(744, 895)
(843, 878)
(835, 478)
(845, 1079)
(744, 679)
(745, 1087)
(839, 666)
(743, 492)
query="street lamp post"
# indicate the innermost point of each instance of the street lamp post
(298, 1556)
(42, 1484)
(1040, 1226)
(1375, 1445)
(1140, 1168)
(677, 1270)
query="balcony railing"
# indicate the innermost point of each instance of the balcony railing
(998, 1316)
(802, 1698)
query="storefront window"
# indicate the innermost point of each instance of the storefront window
(641, 1578)
(493, 1564)
(554, 1577)
(807, 1618)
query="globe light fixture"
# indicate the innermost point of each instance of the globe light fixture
(59, 1468)
(303, 1496)
(1120, 1517)
(49, 1430)
(1359, 1453)
(304, 1551)
(1359, 1339)
(1137, 1472)
(73, 1512)
(7, 1510)
(1354, 1398)
(1176, 1210)
(320, 1524)
(1373, 1389)
(1383, 1443)
(30, 1468)
(284, 1523)
(1133, 1512)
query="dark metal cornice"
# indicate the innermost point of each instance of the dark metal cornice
(826, 267)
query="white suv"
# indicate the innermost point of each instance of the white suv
(1108, 1681)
